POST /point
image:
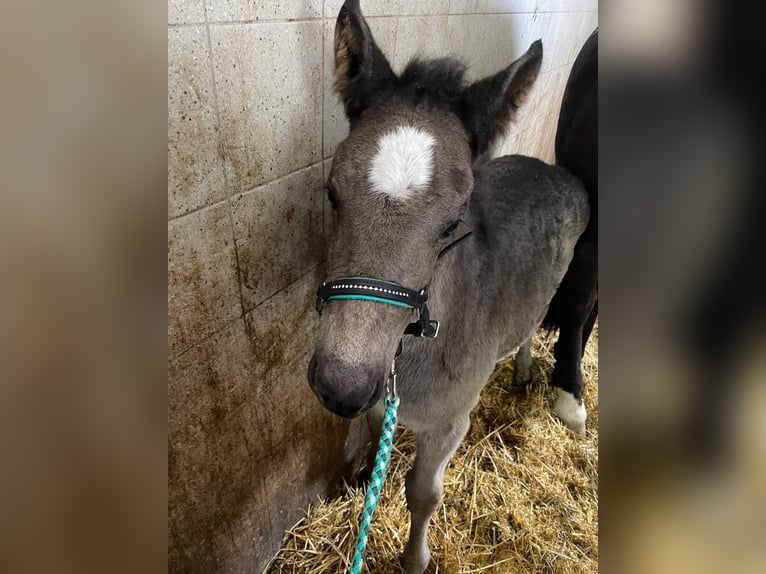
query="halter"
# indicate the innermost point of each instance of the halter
(382, 291)
(388, 292)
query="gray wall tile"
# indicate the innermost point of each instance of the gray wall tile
(464, 6)
(510, 6)
(374, 8)
(203, 288)
(424, 7)
(278, 229)
(417, 36)
(195, 165)
(282, 331)
(186, 12)
(249, 10)
(213, 453)
(269, 80)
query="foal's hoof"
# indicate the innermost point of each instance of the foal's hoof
(415, 562)
(522, 368)
(570, 411)
(521, 376)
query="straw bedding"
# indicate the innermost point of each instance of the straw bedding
(520, 494)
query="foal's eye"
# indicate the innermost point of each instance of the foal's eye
(331, 197)
(450, 229)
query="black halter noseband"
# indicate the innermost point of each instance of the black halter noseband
(381, 291)
(389, 292)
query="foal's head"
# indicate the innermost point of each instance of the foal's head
(399, 184)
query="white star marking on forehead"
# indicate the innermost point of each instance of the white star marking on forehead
(403, 162)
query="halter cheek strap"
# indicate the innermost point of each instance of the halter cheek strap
(381, 291)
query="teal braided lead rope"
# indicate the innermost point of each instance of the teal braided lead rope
(376, 480)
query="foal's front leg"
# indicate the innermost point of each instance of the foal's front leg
(522, 372)
(424, 486)
(374, 419)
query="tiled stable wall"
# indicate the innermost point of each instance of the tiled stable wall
(252, 122)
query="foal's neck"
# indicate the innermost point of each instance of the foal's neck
(453, 281)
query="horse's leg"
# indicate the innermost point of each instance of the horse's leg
(523, 364)
(588, 327)
(579, 294)
(424, 485)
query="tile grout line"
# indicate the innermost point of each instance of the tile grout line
(221, 153)
(315, 18)
(270, 181)
(198, 209)
(322, 152)
(229, 322)
(324, 99)
(246, 192)
(290, 284)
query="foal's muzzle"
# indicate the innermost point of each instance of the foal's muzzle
(349, 389)
(345, 390)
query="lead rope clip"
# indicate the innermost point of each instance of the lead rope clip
(391, 381)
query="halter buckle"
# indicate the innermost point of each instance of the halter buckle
(432, 331)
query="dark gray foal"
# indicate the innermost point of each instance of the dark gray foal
(403, 187)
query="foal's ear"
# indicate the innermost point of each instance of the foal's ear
(361, 69)
(489, 105)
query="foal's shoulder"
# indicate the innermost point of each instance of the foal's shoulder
(522, 184)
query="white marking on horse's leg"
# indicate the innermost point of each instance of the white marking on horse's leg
(522, 365)
(403, 162)
(424, 485)
(570, 410)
